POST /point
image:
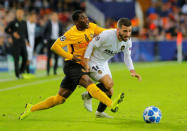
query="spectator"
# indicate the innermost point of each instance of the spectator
(53, 30)
(31, 28)
(3, 47)
(18, 30)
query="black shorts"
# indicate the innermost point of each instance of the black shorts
(73, 72)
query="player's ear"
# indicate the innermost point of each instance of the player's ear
(117, 30)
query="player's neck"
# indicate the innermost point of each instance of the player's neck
(19, 19)
(80, 28)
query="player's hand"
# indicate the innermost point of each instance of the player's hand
(28, 62)
(28, 44)
(134, 74)
(75, 58)
(10, 40)
(87, 68)
(85, 64)
(16, 35)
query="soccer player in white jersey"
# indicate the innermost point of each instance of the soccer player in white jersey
(99, 51)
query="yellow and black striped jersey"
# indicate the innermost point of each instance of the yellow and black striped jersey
(76, 41)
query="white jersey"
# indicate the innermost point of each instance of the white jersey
(31, 33)
(103, 47)
(31, 37)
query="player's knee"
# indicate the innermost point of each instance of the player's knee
(85, 81)
(109, 85)
(110, 92)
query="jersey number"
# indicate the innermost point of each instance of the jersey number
(95, 68)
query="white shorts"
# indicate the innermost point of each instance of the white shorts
(98, 70)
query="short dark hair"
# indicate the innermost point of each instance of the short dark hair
(123, 21)
(75, 15)
(19, 8)
(32, 13)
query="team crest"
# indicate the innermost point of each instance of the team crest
(122, 47)
(97, 38)
(17, 25)
(99, 71)
(63, 38)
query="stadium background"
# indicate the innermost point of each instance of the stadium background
(156, 24)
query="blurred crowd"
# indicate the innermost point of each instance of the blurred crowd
(46, 20)
(43, 10)
(113, 0)
(162, 21)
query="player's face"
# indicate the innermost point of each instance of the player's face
(54, 17)
(33, 18)
(19, 14)
(124, 33)
(83, 21)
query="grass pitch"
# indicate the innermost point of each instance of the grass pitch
(164, 85)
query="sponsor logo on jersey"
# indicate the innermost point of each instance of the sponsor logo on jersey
(109, 52)
(17, 24)
(82, 45)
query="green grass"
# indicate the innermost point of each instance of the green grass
(164, 85)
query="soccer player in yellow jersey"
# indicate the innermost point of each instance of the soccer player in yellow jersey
(76, 39)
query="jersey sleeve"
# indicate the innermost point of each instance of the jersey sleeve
(61, 42)
(89, 50)
(127, 56)
(97, 29)
(100, 39)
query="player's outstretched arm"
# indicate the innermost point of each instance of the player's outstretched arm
(57, 48)
(87, 55)
(85, 64)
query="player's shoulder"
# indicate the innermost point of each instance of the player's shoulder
(110, 33)
(92, 25)
(71, 31)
